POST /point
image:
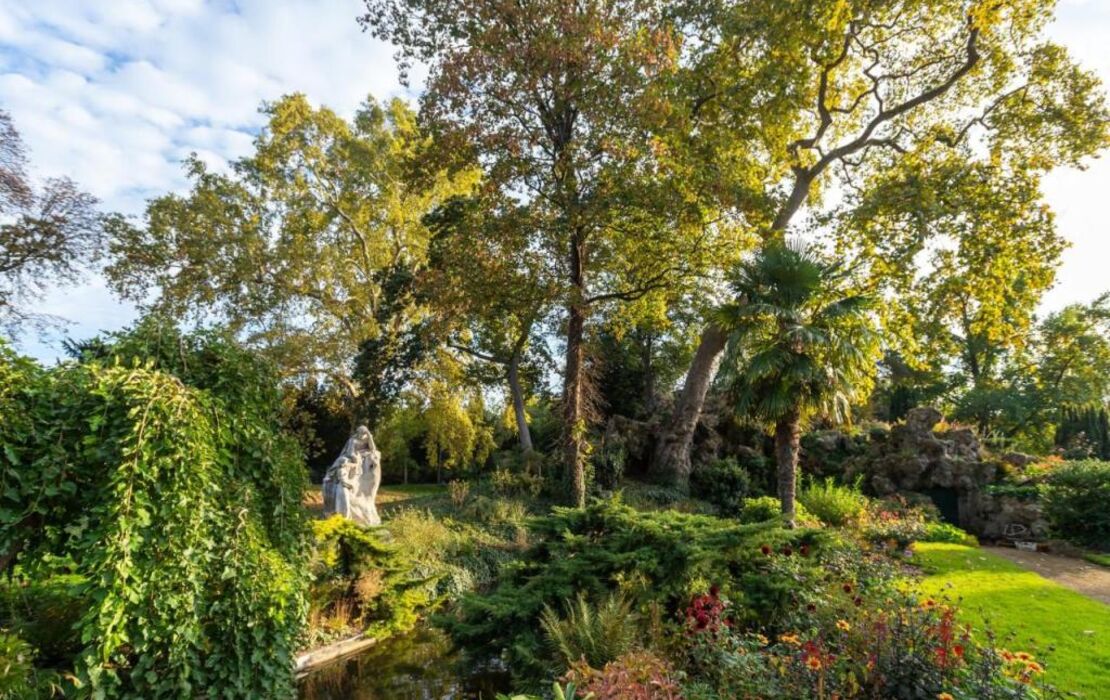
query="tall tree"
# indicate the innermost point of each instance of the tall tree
(990, 251)
(311, 247)
(554, 96)
(491, 288)
(799, 345)
(49, 234)
(830, 92)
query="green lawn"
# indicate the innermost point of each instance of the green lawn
(1038, 613)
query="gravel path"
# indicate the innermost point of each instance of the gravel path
(1089, 579)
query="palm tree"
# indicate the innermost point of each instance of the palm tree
(799, 346)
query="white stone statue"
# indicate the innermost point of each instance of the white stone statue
(351, 483)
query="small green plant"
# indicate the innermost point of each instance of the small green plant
(833, 503)
(767, 508)
(723, 483)
(597, 633)
(946, 532)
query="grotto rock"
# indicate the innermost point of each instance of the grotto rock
(351, 482)
(948, 465)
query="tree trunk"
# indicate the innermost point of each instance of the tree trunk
(574, 420)
(524, 434)
(788, 435)
(671, 460)
(649, 398)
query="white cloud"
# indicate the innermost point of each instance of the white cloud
(115, 94)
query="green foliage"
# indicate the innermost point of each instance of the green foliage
(800, 344)
(1084, 433)
(596, 633)
(767, 508)
(724, 483)
(833, 503)
(19, 679)
(45, 610)
(354, 564)
(661, 557)
(179, 507)
(1075, 499)
(946, 532)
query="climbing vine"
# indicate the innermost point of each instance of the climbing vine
(159, 479)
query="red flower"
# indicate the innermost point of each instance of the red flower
(847, 588)
(787, 550)
(804, 550)
(958, 650)
(766, 549)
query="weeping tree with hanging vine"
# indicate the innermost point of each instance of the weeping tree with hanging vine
(152, 471)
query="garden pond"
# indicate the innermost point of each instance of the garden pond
(421, 665)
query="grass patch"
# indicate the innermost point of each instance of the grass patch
(1027, 612)
(1100, 559)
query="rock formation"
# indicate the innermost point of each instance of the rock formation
(351, 482)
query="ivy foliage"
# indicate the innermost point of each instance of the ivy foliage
(656, 558)
(152, 468)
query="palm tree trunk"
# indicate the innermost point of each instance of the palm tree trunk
(788, 435)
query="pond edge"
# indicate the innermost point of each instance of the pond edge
(310, 660)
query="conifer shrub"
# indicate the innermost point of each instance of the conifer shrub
(654, 558)
(355, 566)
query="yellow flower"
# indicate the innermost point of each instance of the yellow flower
(1034, 667)
(1024, 656)
(790, 639)
(929, 603)
(843, 625)
(763, 641)
(813, 663)
(945, 696)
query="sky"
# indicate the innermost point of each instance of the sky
(115, 93)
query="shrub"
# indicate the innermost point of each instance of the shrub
(654, 557)
(766, 508)
(609, 464)
(946, 532)
(762, 509)
(832, 503)
(353, 566)
(634, 676)
(855, 644)
(1075, 502)
(509, 483)
(595, 634)
(723, 483)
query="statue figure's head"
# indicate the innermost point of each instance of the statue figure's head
(362, 438)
